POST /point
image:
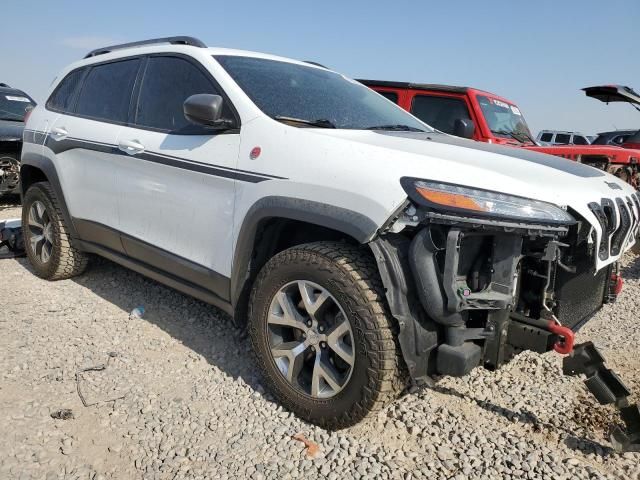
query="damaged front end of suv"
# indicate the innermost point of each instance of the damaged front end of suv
(479, 276)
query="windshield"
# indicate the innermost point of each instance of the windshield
(314, 97)
(503, 119)
(13, 106)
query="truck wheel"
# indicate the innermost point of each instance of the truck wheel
(322, 335)
(46, 237)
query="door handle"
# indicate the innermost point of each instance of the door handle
(131, 146)
(59, 133)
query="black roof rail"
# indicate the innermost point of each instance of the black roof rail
(4, 85)
(180, 40)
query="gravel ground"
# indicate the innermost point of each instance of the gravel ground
(174, 395)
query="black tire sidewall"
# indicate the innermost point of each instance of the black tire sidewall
(329, 276)
(37, 193)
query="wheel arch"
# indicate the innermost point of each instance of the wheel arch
(276, 223)
(38, 168)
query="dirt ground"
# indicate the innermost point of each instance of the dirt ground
(174, 394)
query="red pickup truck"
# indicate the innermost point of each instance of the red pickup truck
(486, 117)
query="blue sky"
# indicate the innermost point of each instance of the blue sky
(537, 54)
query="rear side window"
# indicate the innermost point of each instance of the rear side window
(167, 83)
(578, 140)
(546, 137)
(440, 112)
(620, 139)
(61, 99)
(106, 92)
(390, 96)
(563, 138)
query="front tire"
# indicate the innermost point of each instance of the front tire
(46, 237)
(321, 333)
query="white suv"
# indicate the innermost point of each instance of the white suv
(363, 249)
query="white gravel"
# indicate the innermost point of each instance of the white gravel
(179, 398)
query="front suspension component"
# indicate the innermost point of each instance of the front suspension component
(607, 387)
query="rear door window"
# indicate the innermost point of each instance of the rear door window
(106, 91)
(61, 99)
(563, 138)
(440, 112)
(167, 83)
(546, 137)
(578, 140)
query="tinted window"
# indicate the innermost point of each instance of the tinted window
(546, 137)
(390, 96)
(61, 99)
(578, 140)
(14, 105)
(562, 138)
(620, 139)
(106, 92)
(167, 83)
(286, 91)
(439, 112)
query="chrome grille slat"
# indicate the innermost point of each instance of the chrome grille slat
(617, 219)
(620, 235)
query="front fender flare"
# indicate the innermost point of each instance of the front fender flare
(356, 225)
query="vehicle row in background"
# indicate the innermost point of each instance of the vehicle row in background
(485, 117)
(14, 105)
(559, 137)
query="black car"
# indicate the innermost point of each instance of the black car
(14, 105)
(615, 138)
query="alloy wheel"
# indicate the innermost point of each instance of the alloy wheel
(40, 232)
(310, 339)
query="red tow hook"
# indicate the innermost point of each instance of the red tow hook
(564, 345)
(616, 283)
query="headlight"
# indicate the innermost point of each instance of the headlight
(485, 203)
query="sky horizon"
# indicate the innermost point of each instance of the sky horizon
(537, 56)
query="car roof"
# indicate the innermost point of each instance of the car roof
(619, 132)
(562, 131)
(168, 48)
(9, 90)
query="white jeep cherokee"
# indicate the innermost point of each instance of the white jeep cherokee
(364, 250)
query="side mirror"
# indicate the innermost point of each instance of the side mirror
(205, 109)
(464, 128)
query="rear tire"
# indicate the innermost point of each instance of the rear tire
(359, 372)
(46, 237)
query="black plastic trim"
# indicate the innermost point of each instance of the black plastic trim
(351, 223)
(152, 256)
(48, 168)
(163, 277)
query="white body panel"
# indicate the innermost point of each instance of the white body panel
(198, 217)
(187, 213)
(87, 176)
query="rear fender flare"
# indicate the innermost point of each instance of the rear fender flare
(30, 159)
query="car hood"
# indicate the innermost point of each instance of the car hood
(11, 131)
(510, 170)
(503, 168)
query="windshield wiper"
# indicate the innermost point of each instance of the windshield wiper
(321, 122)
(397, 128)
(515, 135)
